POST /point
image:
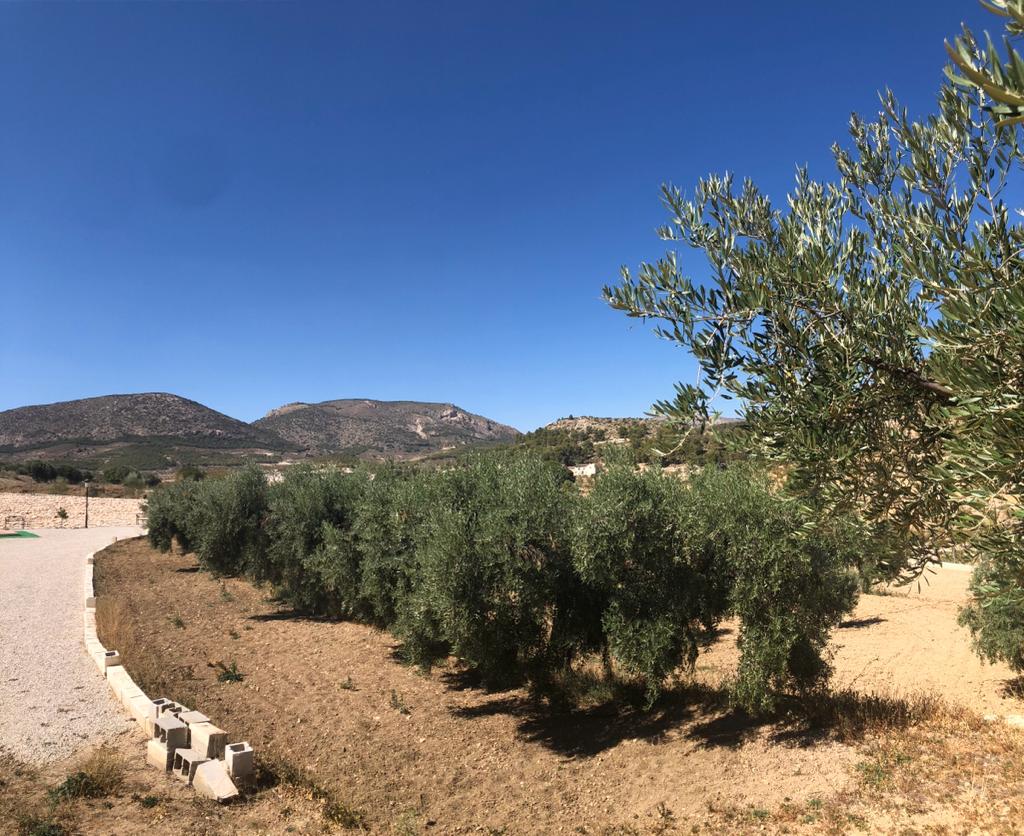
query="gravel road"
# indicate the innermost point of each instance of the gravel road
(53, 701)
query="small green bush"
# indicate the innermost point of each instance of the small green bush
(116, 474)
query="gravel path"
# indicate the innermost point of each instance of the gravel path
(53, 701)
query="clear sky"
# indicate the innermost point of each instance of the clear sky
(255, 203)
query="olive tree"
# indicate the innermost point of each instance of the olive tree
(870, 327)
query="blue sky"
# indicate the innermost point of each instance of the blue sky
(254, 203)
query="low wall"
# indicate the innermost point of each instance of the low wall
(40, 510)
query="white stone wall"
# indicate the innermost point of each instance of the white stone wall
(40, 510)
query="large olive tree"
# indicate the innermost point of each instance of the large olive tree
(870, 327)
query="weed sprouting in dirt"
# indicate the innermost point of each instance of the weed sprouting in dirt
(398, 703)
(177, 621)
(228, 673)
(347, 684)
(99, 776)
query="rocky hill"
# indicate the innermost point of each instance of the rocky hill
(164, 426)
(390, 428)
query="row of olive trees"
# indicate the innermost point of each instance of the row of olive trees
(872, 328)
(503, 564)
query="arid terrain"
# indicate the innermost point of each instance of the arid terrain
(395, 751)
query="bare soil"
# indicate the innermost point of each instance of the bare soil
(330, 706)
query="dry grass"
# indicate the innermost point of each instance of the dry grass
(114, 626)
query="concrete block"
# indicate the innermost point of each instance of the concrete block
(89, 619)
(171, 732)
(141, 708)
(111, 658)
(130, 692)
(185, 764)
(208, 739)
(157, 755)
(240, 761)
(91, 560)
(90, 602)
(212, 781)
(190, 717)
(174, 709)
(118, 680)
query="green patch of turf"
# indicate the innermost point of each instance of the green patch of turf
(19, 534)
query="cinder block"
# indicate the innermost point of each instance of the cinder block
(171, 732)
(190, 717)
(90, 602)
(240, 761)
(212, 780)
(91, 560)
(89, 618)
(207, 739)
(158, 756)
(118, 680)
(111, 658)
(141, 708)
(130, 692)
(185, 764)
(174, 709)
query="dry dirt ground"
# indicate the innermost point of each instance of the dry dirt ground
(348, 736)
(40, 510)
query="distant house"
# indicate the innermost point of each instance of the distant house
(583, 469)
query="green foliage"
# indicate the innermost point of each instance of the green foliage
(495, 566)
(116, 474)
(393, 508)
(312, 561)
(504, 564)
(46, 472)
(632, 543)
(996, 615)
(873, 328)
(171, 515)
(190, 472)
(220, 520)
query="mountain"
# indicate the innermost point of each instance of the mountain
(151, 430)
(392, 428)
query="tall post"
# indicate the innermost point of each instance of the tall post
(86, 504)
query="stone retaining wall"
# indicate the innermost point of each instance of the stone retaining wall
(39, 510)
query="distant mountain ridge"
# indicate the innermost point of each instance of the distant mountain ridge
(163, 428)
(359, 425)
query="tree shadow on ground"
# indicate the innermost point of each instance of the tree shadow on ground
(858, 623)
(1013, 688)
(704, 716)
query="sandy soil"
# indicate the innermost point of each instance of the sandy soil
(906, 642)
(40, 510)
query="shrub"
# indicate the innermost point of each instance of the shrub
(790, 580)
(495, 567)
(228, 519)
(661, 589)
(40, 471)
(674, 558)
(995, 615)
(171, 513)
(116, 474)
(391, 512)
(190, 472)
(311, 559)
